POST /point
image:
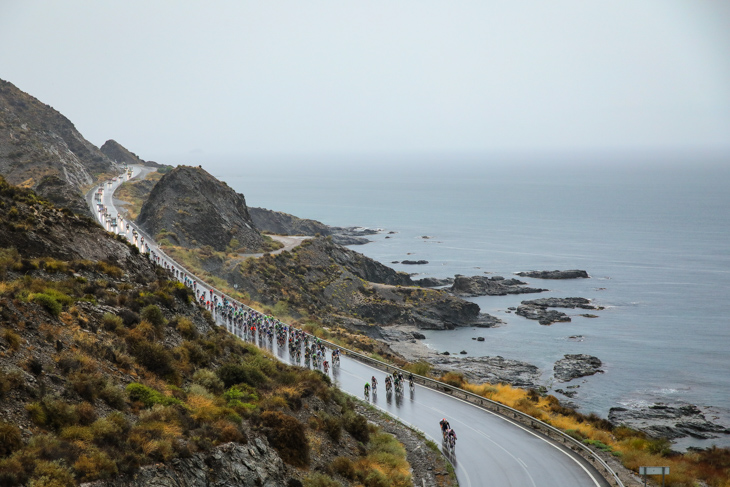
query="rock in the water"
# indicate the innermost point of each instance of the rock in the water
(480, 339)
(414, 262)
(537, 309)
(566, 393)
(463, 352)
(349, 240)
(571, 274)
(489, 286)
(418, 336)
(664, 421)
(574, 366)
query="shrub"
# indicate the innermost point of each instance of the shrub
(110, 322)
(154, 357)
(419, 368)
(357, 426)
(320, 480)
(51, 474)
(113, 396)
(344, 466)
(149, 397)
(86, 413)
(286, 434)
(12, 338)
(153, 315)
(10, 439)
(95, 464)
(87, 385)
(186, 328)
(333, 427)
(48, 302)
(232, 374)
(208, 379)
(454, 379)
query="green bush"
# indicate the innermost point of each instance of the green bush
(87, 385)
(149, 397)
(153, 315)
(48, 302)
(186, 328)
(51, 474)
(10, 439)
(12, 338)
(154, 357)
(113, 396)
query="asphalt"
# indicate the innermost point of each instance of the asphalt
(491, 450)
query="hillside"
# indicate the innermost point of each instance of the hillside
(41, 149)
(191, 208)
(120, 154)
(108, 370)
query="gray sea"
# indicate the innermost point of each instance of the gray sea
(653, 233)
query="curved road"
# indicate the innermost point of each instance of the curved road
(491, 450)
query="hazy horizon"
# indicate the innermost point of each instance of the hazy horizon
(326, 80)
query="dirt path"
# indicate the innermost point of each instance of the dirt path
(289, 243)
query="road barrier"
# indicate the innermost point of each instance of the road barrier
(495, 407)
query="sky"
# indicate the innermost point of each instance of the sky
(170, 79)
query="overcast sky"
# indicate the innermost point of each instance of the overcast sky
(310, 78)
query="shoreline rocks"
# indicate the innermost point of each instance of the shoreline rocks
(671, 422)
(570, 274)
(489, 286)
(537, 309)
(573, 366)
(493, 370)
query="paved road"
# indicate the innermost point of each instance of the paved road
(491, 449)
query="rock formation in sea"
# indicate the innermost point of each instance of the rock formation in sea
(537, 309)
(569, 274)
(489, 286)
(668, 421)
(573, 366)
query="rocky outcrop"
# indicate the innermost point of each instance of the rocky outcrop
(252, 465)
(570, 274)
(433, 282)
(671, 422)
(280, 223)
(489, 286)
(573, 366)
(191, 208)
(537, 309)
(42, 150)
(121, 155)
(493, 370)
(414, 262)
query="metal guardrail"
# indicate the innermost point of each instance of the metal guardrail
(540, 426)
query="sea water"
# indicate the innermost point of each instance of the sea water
(654, 235)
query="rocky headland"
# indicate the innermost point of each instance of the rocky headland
(190, 208)
(489, 286)
(42, 150)
(121, 155)
(570, 274)
(280, 223)
(537, 309)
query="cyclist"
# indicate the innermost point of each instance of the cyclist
(445, 426)
(326, 366)
(375, 383)
(410, 379)
(451, 438)
(367, 389)
(388, 384)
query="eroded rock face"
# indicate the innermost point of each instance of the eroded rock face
(493, 370)
(251, 465)
(570, 274)
(664, 421)
(489, 286)
(281, 223)
(195, 209)
(42, 150)
(573, 366)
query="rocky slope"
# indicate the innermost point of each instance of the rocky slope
(334, 283)
(41, 149)
(191, 208)
(120, 154)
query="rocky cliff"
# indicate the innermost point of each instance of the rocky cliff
(120, 154)
(191, 208)
(41, 149)
(281, 223)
